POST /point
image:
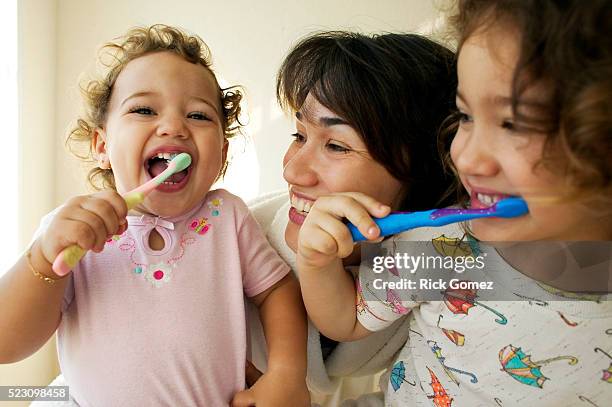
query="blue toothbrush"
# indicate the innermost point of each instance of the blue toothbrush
(402, 221)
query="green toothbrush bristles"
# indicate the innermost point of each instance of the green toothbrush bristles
(182, 161)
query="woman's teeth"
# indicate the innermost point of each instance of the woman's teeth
(489, 199)
(301, 205)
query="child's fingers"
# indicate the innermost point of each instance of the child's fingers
(79, 233)
(116, 200)
(335, 230)
(96, 224)
(244, 398)
(112, 205)
(374, 207)
(104, 211)
(350, 206)
(314, 238)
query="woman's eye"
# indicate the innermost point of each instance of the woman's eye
(142, 110)
(337, 148)
(298, 138)
(198, 116)
(464, 118)
(508, 125)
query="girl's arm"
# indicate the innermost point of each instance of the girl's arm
(31, 305)
(284, 322)
(328, 289)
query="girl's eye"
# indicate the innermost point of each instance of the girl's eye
(298, 138)
(464, 118)
(198, 116)
(337, 148)
(142, 110)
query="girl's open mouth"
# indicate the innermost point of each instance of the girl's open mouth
(156, 164)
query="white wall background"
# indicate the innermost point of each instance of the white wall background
(58, 40)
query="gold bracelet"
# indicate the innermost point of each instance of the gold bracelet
(46, 279)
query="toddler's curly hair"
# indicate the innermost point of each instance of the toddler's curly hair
(114, 56)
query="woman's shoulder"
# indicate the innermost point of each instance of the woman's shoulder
(265, 207)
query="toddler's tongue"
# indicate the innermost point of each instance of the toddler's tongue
(178, 177)
(158, 166)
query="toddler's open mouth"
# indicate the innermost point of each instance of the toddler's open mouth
(156, 164)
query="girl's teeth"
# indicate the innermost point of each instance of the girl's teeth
(488, 199)
(307, 206)
(166, 156)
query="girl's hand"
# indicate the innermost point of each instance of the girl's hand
(87, 221)
(324, 237)
(275, 388)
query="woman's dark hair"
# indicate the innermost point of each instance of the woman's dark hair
(565, 45)
(395, 90)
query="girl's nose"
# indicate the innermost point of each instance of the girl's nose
(474, 153)
(172, 125)
(299, 166)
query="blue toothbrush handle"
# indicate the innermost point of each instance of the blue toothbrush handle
(400, 222)
(395, 223)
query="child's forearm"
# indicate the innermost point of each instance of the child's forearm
(31, 307)
(284, 322)
(329, 296)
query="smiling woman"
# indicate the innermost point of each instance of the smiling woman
(367, 110)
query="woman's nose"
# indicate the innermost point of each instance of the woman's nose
(299, 166)
(474, 153)
(172, 125)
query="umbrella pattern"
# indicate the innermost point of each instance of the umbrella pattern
(567, 294)
(454, 247)
(386, 253)
(360, 303)
(521, 368)
(460, 300)
(439, 398)
(398, 376)
(582, 398)
(607, 374)
(454, 336)
(396, 304)
(567, 321)
(433, 345)
(393, 301)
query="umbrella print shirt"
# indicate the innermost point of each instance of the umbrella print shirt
(541, 349)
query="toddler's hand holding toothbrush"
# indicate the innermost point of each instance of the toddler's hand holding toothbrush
(70, 256)
(85, 221)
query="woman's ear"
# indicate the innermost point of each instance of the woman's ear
(98, 144)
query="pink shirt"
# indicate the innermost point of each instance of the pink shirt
(143, 327)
